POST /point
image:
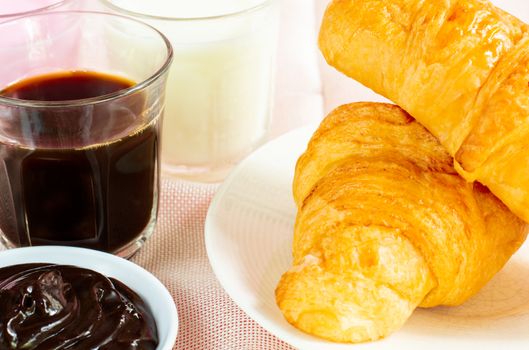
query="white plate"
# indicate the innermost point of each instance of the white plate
(148, 287)
(248, 238)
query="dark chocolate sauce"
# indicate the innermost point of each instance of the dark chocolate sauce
(45, 307)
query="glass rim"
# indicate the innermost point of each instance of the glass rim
(251, 9)
(29, 12)
(144, 83)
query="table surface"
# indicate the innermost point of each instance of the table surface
(306, 90)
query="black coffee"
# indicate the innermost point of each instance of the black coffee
(59, 192)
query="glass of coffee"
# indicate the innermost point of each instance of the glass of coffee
(81, 103)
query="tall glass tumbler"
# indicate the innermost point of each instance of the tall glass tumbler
(81, 103)
(221, 83)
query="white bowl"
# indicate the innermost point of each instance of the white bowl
(148, 287)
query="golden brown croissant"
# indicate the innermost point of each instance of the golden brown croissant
(384, 225)
(460, 67)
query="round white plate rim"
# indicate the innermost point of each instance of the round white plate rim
(74, 256)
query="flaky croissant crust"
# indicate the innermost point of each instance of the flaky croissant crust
(384, 225)
(460, 67)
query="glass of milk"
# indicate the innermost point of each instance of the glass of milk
(219, 93)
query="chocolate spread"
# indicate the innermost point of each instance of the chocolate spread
(45, 306)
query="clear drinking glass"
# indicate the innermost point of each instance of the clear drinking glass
(80, 172)
(220, 86)
(10, 9)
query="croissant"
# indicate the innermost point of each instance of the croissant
(385, 224)
(460, 67)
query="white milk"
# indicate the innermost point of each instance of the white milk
(220, 86)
